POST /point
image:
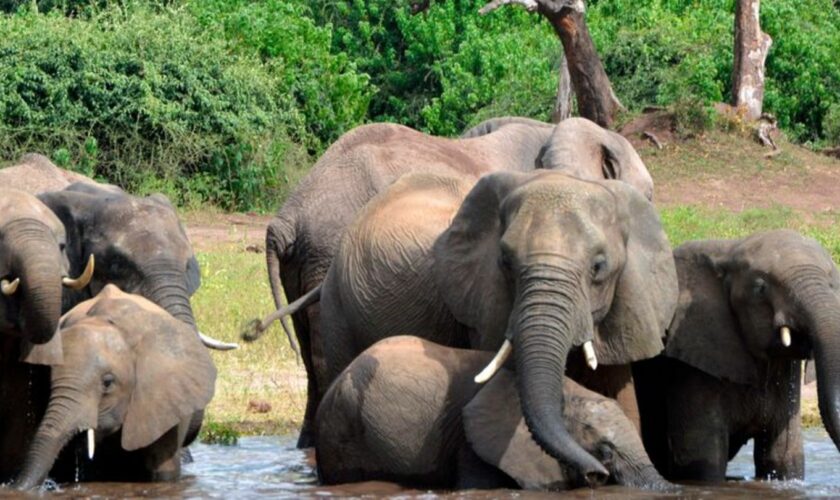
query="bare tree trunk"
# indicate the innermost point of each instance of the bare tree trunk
(563, 103)
(595, 98)
(751, 47)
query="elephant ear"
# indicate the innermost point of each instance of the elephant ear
(646, 290)
(496, 431)
(704, 332)
(71, 209)
(175, 377)
(467, 255)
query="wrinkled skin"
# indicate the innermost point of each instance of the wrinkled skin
(31, 250)
(726, 376)
(135, 375)
(139, 245)
(543, 260)
(304, 236)
(408, 410)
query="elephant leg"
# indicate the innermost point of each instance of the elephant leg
(779, 453)
(697, 430)
(307, 325)
(163, 457)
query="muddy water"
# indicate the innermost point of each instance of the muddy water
(270, 467)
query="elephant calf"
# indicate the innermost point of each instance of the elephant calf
(749, 311)
(132, 388)
(408, 410)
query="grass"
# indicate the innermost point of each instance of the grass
(235, 289)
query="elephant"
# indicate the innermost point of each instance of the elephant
(132, 381)
(303, 237)
(536, 264)
(749, 311)
(36, 174)
(408, 410)
(139, 243)
(33, 272)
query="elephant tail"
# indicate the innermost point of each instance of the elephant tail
(256, 327)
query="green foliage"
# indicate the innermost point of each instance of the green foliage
(447, 68)
(143, 97)
(218, 433)
(831, 124)
(327, 89)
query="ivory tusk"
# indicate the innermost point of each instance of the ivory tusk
(9, 288)
(83, 280)
(495, 363)
(589, 352)
(91, 443)
(218, 345)
(785, 334)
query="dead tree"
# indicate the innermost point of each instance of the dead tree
(594, 93)
(751, 47)
(563, 103)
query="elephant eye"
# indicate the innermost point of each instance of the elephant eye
(599, 267)
(759, 287)
(108, 381)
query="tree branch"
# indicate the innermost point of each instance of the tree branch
(530, 5)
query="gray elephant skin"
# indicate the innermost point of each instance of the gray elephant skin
(303, 237)
(135, 377)
(139, 244)
(407, 410)
(542, 263)
(749, 311)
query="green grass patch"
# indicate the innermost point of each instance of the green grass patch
(216, 433)
(235, 289)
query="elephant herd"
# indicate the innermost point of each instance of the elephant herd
(502, 309)
(409, 260)
(100, 357)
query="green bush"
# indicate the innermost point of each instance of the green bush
(831, 125)
(131, 94)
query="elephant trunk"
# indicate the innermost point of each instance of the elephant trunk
(826, 345)
(62, 421)
(552, 310)
(38, 265)
(167, 288)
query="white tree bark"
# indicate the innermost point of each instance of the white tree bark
(563, 103)
(750, 51)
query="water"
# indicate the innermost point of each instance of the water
(270, 467)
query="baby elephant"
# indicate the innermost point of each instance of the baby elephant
(408, 410)
(134, 383)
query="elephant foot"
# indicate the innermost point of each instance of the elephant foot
(306, 439)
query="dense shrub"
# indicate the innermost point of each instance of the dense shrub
(330, 93)
(149, 100)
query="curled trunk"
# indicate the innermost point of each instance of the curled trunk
(552, 310)
(826, 343)
(38, 265)
(167, 288)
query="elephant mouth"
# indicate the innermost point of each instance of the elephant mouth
(791, 344)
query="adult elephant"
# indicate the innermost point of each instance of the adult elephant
(33, 268)
(408, 410)
(749, 311)
(139, 244)
(537, 263)
(303, 237)
(132, 380)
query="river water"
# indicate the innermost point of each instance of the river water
(270, 467)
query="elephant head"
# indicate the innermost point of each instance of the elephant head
(129, 367)
(496, 431)
(33, 266)
(581, 148)
(139, 245)
(773, 294)
(542, 263)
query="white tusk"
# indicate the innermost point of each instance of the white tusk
(589, 352)
(91, 439)
(83, 280)
(785, 334)
(218, 345)
(9, 288)
(495, 363)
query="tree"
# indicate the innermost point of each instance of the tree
(595, 97)
(751, 47)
